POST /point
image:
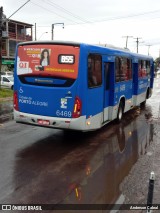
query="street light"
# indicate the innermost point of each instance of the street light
(42, 35)
(53, 28)
(148, 47)
(127, 40)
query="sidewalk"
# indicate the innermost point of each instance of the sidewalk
(135, 185)
(6, 109)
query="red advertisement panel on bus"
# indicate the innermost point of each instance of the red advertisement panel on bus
(61, 61)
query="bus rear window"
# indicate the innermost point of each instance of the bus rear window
(46, 81)
(59, 61)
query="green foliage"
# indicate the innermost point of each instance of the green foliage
(157, 63)
(5, 93)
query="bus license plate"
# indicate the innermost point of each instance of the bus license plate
(43, 122)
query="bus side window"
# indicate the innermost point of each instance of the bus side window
(129, 69)
(139, 68)
(117, 69)
(94, 70)
(148, 68)
(123, 69)
(142, 68)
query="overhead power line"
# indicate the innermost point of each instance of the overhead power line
(127, 16)
(67, 11)
(82, 20)
(46, 9)
(18, 9)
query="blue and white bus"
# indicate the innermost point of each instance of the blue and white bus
(78, 86)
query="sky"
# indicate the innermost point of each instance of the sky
(93, 21)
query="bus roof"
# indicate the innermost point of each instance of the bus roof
(111, 49)
(50, 42)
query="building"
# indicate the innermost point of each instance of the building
(13, 32)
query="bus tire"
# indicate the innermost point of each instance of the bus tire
(143, 104)
(120, 112)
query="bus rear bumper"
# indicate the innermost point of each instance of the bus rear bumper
(50, 122)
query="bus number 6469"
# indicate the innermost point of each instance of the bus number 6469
(63, 113)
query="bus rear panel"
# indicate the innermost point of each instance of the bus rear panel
(45, 91)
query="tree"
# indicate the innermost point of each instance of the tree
(157, 63)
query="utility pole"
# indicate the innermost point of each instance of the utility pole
(137, 41)
(1, 15)
(35, 32)
(127, 39)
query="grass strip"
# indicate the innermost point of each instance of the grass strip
(6, 93)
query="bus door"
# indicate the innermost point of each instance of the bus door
(94, 96)
(107, 66)
(135, 80)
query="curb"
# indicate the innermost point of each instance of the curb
(6, 99)
(6, 117)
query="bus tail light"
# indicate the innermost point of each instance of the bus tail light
(77, 108)
(15, 100)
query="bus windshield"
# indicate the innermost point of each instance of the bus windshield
(48, 60)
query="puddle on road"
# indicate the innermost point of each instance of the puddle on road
(82, 168)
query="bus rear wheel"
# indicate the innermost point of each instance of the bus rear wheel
(120, 112)
(143, 104)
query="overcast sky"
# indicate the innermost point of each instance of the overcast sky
(93, 21)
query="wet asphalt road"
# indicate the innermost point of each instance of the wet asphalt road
(47, 166)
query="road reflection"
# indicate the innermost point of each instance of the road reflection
(112, 161)
(82, 168)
